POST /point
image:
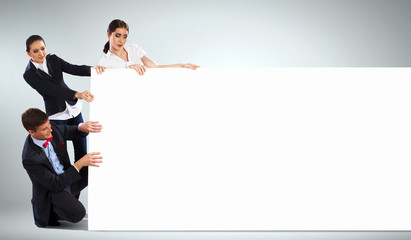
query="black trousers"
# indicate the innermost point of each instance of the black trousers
(65, 205)
(79, 145)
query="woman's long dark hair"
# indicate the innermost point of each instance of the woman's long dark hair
(116, 23)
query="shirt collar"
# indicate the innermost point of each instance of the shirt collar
(110, 53)
(38, 142)
(38, 64)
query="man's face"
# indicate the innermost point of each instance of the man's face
(43, 132)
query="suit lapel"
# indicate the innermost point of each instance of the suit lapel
(33, 68)
(43, 75)
(58, 150)
(40, 151)
(49, 66)
(39, 72)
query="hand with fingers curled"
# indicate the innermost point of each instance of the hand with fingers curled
(86, 95)
(140, 69)
(90, 127)
(90, 159)
(99, 69)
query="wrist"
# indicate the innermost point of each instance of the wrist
(78, 165)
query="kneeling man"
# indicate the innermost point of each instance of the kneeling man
(55, 180)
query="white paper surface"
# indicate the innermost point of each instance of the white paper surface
(252, 149)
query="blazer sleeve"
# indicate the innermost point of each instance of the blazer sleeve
(68, 132)
(46, 87)
(78, 70)
(48, 179)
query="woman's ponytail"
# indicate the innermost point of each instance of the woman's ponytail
(106, 47)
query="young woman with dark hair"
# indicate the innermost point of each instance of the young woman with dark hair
(119, 55)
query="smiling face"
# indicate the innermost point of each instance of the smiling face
(118, 39)
(37, 51)
(43, 132)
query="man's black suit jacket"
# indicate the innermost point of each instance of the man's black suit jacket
(52, 87)
(43, 177)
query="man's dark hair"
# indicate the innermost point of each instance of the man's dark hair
(32, 39)
(32, 118)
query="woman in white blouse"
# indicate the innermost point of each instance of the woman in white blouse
(119, 55)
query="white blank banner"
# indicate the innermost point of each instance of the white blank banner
(252, 149)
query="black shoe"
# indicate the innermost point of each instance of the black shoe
(53, 223)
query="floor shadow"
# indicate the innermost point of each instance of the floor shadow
(82, 225)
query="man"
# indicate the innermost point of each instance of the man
(55, 180)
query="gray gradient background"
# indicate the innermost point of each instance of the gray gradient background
(213, 33)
